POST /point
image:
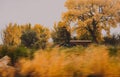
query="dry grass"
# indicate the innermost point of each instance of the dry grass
(7, 71)
(93, 61)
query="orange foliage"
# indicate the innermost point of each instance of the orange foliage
(41, 30)
(12, 35)
(94, 60)
(93, 16)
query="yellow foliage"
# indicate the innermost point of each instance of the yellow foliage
(63, 24)
(41, 30)
(25, 27)
(12, 35)
(90, 13)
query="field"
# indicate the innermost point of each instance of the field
(93, 61)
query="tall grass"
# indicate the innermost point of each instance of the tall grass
(93, 61)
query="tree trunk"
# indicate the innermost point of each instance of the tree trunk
(93, 31)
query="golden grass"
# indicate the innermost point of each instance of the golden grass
(7, 71)
(93, 61)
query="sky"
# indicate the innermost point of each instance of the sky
(44, 12)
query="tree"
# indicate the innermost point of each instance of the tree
(28, 38)
(26, 27)
(61, 33)
(42, 35)
(11, 35)
(93, 16)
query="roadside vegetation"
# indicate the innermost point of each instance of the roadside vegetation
(32, 55)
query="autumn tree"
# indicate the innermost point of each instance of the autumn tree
(34, 36)
(43, 35)
(92, 16)
(26, 27)
(11, 35)
(61, 33)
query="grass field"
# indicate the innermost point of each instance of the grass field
(94, 61)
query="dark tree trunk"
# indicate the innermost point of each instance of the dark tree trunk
(93, 30)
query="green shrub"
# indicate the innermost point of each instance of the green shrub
(113, 51)
(28, 38)
(16, 53)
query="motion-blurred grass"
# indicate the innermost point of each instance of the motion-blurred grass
(93, 61)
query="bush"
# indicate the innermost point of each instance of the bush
(15, 53)
(113, 51)
(114, 40)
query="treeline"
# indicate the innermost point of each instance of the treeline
(37, 36)
(26, 35)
